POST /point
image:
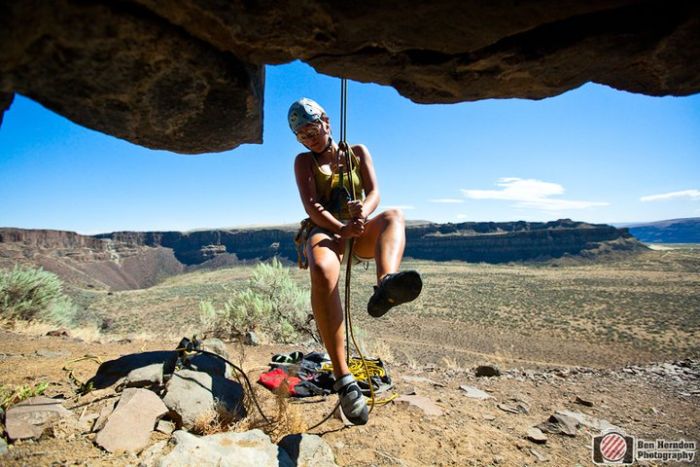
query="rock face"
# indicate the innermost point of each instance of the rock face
(493, 242)
(127, 260)
(188, 76)
(499, 242)
(118, 68)
(88, 260)
(669, 231)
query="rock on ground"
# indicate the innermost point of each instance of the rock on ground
(150, 375)
(307, 450)
(129, 427)
(29, 419)
(191, 395)
(249, 449)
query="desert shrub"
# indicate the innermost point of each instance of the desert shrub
(10, 396)
(272, 304)
(28, 294)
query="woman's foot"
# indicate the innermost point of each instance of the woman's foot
(394, 289)
(352, 402)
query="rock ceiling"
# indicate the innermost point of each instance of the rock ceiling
(188, 76)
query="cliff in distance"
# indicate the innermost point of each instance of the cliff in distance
(668, 231)
(125, 260)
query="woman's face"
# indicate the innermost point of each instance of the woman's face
(314, 135)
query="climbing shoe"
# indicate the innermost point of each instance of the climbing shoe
(394, 289)
(352, 402)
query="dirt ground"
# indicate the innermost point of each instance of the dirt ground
(470, 432)
(566, 329)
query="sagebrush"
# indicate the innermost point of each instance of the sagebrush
(34, 294)
(272, 305)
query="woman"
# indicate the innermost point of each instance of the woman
(323, 185)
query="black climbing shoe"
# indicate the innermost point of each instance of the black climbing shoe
(352, 402)
(394, 289)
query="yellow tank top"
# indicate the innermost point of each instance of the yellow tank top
(327, 185)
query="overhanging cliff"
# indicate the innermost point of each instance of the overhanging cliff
(188, 76)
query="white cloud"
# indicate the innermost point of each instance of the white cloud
(531, 194)
(685, 194)
(447, 200)
(461, 216)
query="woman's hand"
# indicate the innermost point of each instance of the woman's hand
(357, 209)
(354, 228)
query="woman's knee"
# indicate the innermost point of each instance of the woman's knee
(394, 216)
(324, 270)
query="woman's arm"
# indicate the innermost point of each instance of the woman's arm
(307, 190)
(369, 181)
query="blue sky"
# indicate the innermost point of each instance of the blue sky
(592, 154)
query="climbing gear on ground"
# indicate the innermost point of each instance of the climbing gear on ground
(306, 377)
(292, 357)
(352, 402)
(365, 371)
(312, 375)
(394, 289)
(303, 112)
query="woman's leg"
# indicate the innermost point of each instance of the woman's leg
(384, 239)
(324, 268)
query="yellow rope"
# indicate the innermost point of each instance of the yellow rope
(360, 370)
(81, 388)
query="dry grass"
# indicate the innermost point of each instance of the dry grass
(647, 301)
(376, 347)
(216, 420)
(288, 419)
(88, 332)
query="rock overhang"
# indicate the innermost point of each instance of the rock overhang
(189, 76)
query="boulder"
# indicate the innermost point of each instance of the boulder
(116, 68)
(146, 376)
(209, 364)
(150, 456)
(249, 449)
(165, 427)
(487, 371)
(191, 395)
(129, 427)
(29, 418)
(112, 371)
(308, 450)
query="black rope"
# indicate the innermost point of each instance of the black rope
(238, 369)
